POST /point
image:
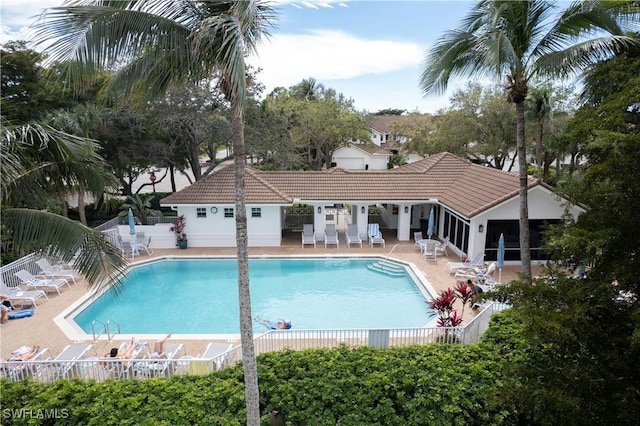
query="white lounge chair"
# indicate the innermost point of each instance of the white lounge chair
(51, 271)
(122, 368)
(481, 274)
(65, 367)
(331, 236)
(352, 235)
(41, 282)
(153, 367)
(375, 236)
(17, 295)
(476, 261)
(308, 237)
(216, 352)
(15, 369)
(417, 236)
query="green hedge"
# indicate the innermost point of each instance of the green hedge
(417, 385)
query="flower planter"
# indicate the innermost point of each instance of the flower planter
(182, 244)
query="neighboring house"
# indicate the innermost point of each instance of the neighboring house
(412, 157)
(473, 204)
(364, 156)
(382, 129)
(361, 157)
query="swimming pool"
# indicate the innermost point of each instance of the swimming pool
(200, 296)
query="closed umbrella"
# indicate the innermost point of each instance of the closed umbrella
(500, 262)
(132, 223)
(430, 226)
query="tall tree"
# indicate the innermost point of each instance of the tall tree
(158, 44)
(539, 110)
(519, 41)
(319, 126)
(308, 89)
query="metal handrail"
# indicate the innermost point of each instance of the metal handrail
(109, 335)
(93, 329)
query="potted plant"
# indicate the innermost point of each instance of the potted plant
(178, 229)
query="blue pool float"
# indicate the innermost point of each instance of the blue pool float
(25, 313)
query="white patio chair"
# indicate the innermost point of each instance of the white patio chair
(331, 236)
(36, 282)
(51, 271)
(128, 249)
(442, 247)
(429, 250)
(417, 236)
(308, 237)
(352, 235)
(143, 245)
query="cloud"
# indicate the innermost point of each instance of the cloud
(330, 55)
(18, 15)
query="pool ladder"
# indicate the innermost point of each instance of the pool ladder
(106, 329)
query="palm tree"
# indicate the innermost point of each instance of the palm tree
(160, 43)
(31, 155)
(539, 109)
(308, 90)
(518, 41)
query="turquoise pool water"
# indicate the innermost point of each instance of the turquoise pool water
(201, 297)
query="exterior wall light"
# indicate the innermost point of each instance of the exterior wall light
(362, 209)
(406, 209)
(481, 228)
(319, 210)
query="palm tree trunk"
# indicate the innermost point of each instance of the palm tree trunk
(81, 210)
(525, 250)
(63, 204)
(250, 366)
(539, 132)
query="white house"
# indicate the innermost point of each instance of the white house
(361, 157)
(473, 204)
(382, 129)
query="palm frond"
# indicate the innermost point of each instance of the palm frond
(98, 260)
(31, 152)
(582, 55)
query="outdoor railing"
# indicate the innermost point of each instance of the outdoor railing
(27, 262)
(153, 220)
(101, 368)
(108, 225)
(382, 338)
(104, 368)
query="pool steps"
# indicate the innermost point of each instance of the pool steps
(387, 268)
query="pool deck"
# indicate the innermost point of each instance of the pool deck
(41, 330)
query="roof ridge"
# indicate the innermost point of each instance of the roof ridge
(254, 173)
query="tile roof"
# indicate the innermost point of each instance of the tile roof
(372, 149)
(457, 183)
(385, 123)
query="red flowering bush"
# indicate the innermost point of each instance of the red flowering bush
(178, 229)
(443, 305)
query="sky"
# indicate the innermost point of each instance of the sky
(370, 51)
